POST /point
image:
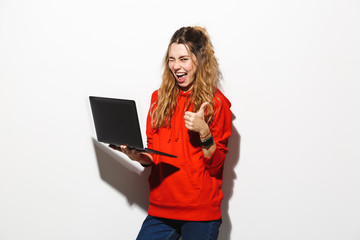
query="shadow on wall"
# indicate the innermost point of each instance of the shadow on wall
(121, 175)
(132, 183)
(229, 177)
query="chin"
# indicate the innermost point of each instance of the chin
(184, 86)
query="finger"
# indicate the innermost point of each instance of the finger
(114, 147)
(125, 149)
(188, 114)
(188, 122)
(202, 108)
(188, 118)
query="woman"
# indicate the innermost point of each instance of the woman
(190, 118)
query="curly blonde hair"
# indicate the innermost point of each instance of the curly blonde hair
(197, 41)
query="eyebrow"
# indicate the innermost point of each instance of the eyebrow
(183, 56)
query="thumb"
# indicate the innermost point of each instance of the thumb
(202, 108)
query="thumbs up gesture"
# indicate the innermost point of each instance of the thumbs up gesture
(195, 121)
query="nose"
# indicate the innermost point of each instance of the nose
(177, 65)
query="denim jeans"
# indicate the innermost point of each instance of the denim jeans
(155, 228)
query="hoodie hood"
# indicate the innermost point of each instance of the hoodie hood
(223, 98)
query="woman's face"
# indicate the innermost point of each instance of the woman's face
(182, 65)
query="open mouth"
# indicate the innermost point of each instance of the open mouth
(181, 76)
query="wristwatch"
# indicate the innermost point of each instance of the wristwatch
(208, 141)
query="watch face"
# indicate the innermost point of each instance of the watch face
(208, 141)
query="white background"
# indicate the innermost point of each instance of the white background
(291, 70)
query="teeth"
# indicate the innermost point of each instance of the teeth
(180, 74)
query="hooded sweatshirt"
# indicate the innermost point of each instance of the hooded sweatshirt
(188, 187)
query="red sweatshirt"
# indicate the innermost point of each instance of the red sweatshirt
(188, 187)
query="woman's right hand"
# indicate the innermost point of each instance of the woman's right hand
(133, 154)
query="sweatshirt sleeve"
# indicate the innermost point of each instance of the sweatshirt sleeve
(220, 128)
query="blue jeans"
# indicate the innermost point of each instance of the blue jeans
(155, 228)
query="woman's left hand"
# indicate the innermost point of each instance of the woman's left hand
(195, 121)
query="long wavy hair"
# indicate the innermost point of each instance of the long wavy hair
(197, 41)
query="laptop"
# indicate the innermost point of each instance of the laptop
(116, 122)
